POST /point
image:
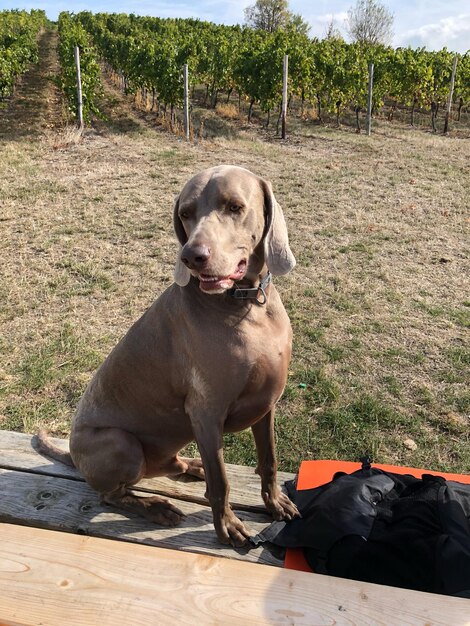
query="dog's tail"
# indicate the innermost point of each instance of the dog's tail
(45, 446)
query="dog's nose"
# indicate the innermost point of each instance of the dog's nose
(195, 257)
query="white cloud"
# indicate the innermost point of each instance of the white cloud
(320, 23)
(338, 18)
(450, 32)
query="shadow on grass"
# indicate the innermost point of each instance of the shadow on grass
(115, 118)
(207, 123)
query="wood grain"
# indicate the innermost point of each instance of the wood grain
(17, 453)
(54, 578)
(72, 506)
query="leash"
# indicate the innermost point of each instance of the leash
(252, 293)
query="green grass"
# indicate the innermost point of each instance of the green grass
(81, 279)
(49, 381)
(357, 247)
(460, 316)
(459, 357)
(59, 356)
(172, 156)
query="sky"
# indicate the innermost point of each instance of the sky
(434, 24)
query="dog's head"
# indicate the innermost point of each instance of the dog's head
(229, 226)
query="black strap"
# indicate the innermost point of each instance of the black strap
(252, 293)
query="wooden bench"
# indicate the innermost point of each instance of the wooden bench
(49, 577)
(37, 491)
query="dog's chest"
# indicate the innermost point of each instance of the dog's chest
(243, 377)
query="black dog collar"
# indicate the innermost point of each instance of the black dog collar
(252, 293)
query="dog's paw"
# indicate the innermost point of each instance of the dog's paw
(195, 468)
(231, 530)
(161, 511)
(280, 506)
(154, 508)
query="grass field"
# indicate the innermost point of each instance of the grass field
(379, 300)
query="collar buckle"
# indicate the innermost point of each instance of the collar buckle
(253, 293)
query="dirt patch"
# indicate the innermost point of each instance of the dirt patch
(36, 106)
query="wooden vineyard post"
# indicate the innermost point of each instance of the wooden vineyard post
(284, 96)
(186, 101)
(369, 98)
(451, 93)
(76, 53)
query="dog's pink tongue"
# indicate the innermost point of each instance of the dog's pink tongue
(219, 283)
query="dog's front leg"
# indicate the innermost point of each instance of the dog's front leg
(209, 439)
(277, 503)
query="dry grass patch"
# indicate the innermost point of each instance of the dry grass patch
(69, 136)
(228, 110)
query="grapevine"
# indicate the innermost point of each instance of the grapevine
(147, 53)
(18, 45)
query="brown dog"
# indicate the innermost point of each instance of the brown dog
(209, 356)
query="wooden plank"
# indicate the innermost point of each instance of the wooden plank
(17, 453)
(55, 579)
(72, 506)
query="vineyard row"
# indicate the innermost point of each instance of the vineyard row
(18, 45)
(148, 54)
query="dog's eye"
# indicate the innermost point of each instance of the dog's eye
(235, 208)
(184, 215)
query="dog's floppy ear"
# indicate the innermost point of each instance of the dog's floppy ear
(278, 255)
(181, 273)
